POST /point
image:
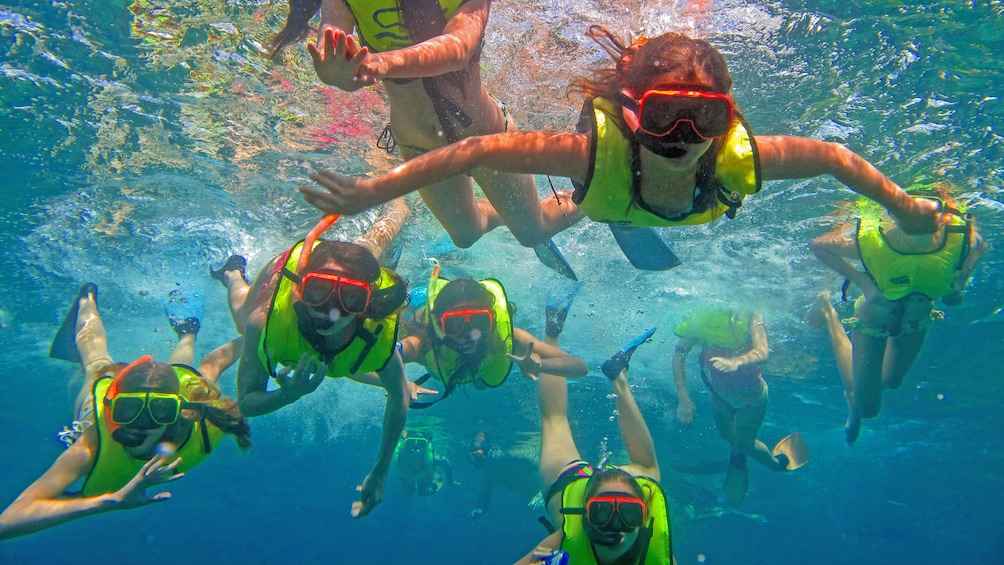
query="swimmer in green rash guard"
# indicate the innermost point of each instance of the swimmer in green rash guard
(903, 275)
(663, 144)
(733, 344)
(136, 427)
(427, 56)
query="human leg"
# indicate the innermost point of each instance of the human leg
(821, 314)
(900, 353)
(557, 445)
(517, 203)
(220, 359)
(386, 228)
(92, 342)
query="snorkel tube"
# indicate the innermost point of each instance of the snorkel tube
(305, 251)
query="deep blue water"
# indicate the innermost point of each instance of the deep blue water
(140, 142)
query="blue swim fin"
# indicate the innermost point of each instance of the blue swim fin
(184, 308)
(559, 300)
(613, 366)
(549, 255)
(645, 248)
(64, 345)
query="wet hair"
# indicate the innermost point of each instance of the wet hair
(356, 261)
(601, 478)
(221, 411)
(640, 62)
(297, 25)
(462, 291)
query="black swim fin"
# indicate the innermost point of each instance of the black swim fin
(64, 345)
(549, 255)
(645, 248)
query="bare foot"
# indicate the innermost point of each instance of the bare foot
(815, 318)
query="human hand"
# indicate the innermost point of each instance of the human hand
(156, 471)
(370, 495)
(341, 195)
(308, 375)
(529, 364)
(922, 216)
(337, 62)
(415, 389)
(953, 298)
(725, 365)
(375, 67)
(685, 412)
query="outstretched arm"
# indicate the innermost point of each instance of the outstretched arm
(979, 247)
(634, 431)
(395, 413)
(448, 52)
(534, 357)
(41, 505)
(787, 157)
(546, 153)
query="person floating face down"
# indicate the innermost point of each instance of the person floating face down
(903, 274)
(661, 143)
(426, 54)
(329, 309)
(604, 515)
(136, 427)
(466, 337)
(422, 471)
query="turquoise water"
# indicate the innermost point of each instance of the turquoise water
(141, 142)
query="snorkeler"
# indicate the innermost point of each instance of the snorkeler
(325, 309)
(661, 144)
(733, 345)
(603, 514)
(136, 426)
(467, 338)
(903, 274)
(427, 56)
(421, 470)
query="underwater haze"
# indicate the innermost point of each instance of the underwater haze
(141, 142)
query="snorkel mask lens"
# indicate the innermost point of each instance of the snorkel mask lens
(453, 323)
(600, 511)
(163, 408)
(661, 111)
(353, 295)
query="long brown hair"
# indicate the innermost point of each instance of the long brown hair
(639, 62)
(297, 25)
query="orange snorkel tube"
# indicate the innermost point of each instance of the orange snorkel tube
(113, 390)
(308, 246)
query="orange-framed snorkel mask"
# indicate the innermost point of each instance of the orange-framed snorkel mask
(316, 289)
(661, 110)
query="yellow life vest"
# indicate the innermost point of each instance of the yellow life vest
(380, 26)
(576, 541)
(610, 193)
(426, 466)
(445, 364)
(899, 274)
(282, 345)
(724, 328)
(114, 467)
